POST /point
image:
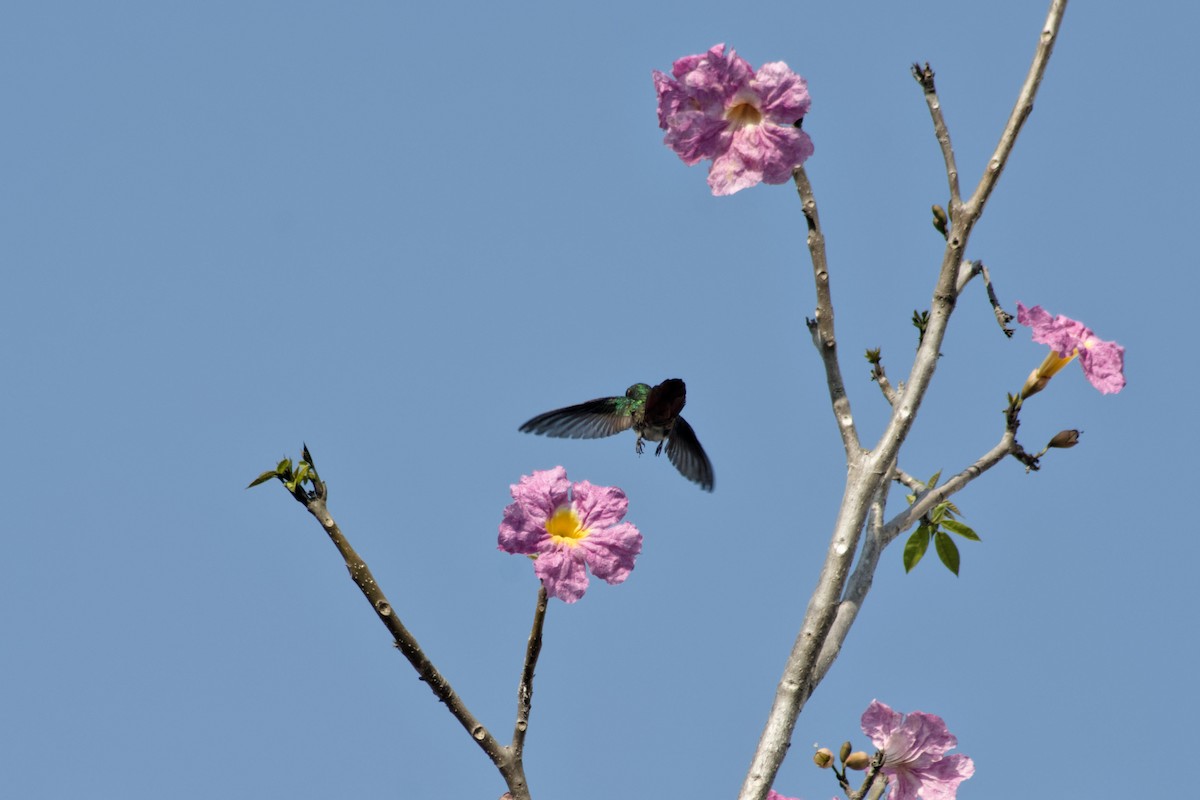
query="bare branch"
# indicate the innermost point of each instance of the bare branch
(859, 584)
(924, 76)
(360, 573)
(903, 478)
(967, 271)
(879, 375)
(507, 759)
(1021, 110)
(821, 328)
(525, 689)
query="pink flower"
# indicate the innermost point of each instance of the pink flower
(913, 748)
(1103, 362)
(774, 795)
(566, 526)
(717, 107)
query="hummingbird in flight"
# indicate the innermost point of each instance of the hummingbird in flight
(652, 412)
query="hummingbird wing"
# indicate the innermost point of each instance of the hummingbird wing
(685, 452)
(594, 419)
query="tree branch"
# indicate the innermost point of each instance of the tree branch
(924, 76)
(867, 470)
(821, 327)
(1021, 110)
(925, 502)
(507, 759)
(859, 584)
(966, 272)
(525, 689)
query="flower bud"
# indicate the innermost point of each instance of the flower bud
(823, 758)
(940, 219)
(844, 752)
(858, 760)
(1064, 439)
(1034, 384)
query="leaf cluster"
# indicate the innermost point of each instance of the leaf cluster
(293, 479)
(936, 527)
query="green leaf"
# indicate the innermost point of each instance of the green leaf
(932, 482)
(936, 515)
(947, 551)
(284, 467)
(266, 476)
(915, 547)
(961, 528)
(953, 509)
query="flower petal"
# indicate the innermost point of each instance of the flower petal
(878, 722)
(598, 506)
(1103, 362)
(784, 93)
(929, 735)
(773, 150)
(1104, 365)
(562, 572)
(940, 781)
(1061, 333)
(611, 552)
(716, 77)
(695, 136)
(672, 97)
(536, 497)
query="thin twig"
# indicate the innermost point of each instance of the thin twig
(525, 689)
(925, 502)
(879, 375)
(821, 327)
(360, 573)
(924, 76)
(506, 760)
(908, 481)
(969, 270)
(1021, 110)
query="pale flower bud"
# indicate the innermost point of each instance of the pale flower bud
(858, 760)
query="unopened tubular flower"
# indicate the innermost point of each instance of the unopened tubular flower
(1103, 362)
(1068, 438)
(914, 747)
(567, 527)
(716, 106)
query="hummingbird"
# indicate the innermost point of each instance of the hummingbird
(652, 412)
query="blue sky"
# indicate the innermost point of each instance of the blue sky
(396, 232)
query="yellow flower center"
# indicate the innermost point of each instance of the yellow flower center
(564, 527)
(743, 112)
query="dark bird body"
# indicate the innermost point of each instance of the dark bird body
(652, 412)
